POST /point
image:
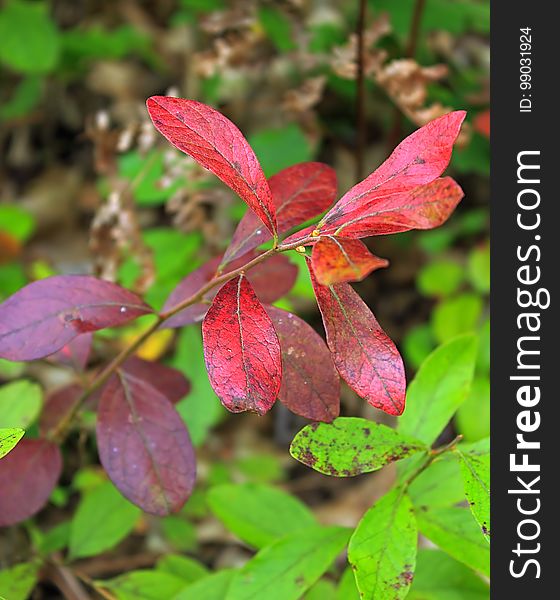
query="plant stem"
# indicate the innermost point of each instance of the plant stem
(59, 433)
(432, 456)
(415, 28)
(410, 51)
(360, 93)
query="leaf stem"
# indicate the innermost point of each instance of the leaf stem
(59, 433)
(432, 456)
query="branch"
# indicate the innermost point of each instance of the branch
(58, 434)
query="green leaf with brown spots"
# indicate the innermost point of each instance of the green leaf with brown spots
(9, 438)
(382, 550)
(476, 479)
(350, 445)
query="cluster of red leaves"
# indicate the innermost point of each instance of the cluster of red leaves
(254, 353)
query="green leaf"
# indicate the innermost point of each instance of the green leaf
(181, 534)
(417, 345)
(439, 577)
(187, 569)
(144, 585)
(201, 409)
(213, 587)
(55, 539)
(477, 448)
(82, 45)
(440, 278)
(350, 445)
(382, 550)
(277, 149)
(277, 27)
(261, 468)
(473, 158)
(483, 362)
(440, 485)
(258, 514)
(439, 388)
(23, 100)
(347, 589)
(479, 269)
(322, 590)
(455, 531)
(473, 416)
(8, 439)
(452, 16)
(146, 172)
(103, 519)
(20, 403)
(476, 478)
(17, 582)
(290, 566)
(30, 42)
(455, 316)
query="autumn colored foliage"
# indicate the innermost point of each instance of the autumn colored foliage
(254, 353)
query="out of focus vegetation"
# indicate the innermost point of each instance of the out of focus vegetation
(88, 186)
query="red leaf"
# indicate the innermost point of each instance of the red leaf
(310, 384)
(273, 278)
(364, 355)
(299, 193)
(216, 143)
(168, 381)
(46, 315)
(241, 349)
(57, 405)
(144, 445)
(76, 353)
(416, 161)
(337, 260)
(28, 474)
(424, 207)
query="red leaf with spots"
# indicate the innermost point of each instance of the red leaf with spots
(144, 445)
(299, 193)
(416, 161)
(424, 207)
(76, 353)
(271, 279)
(310, 384)
(364, 355)
(216, 143)
(46, 315)
(168, 381)
(338, 260)
(241, 349)
(29, 474)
